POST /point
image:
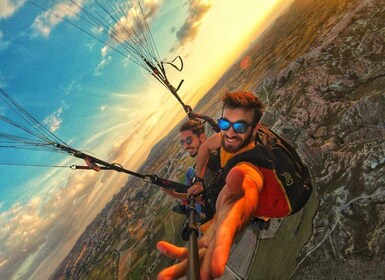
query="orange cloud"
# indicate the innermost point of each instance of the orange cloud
(190, 29)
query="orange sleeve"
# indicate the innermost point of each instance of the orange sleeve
(253, 173)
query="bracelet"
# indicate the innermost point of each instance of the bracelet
(197, 179)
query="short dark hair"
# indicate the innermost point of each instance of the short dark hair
(195, 126)
(245, 100)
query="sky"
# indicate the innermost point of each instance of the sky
(99, 102)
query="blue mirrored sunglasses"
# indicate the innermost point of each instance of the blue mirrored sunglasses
(239, 126)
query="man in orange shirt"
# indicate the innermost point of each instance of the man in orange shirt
(238, 201)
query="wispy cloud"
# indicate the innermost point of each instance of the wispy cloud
(28, 233)
(54, 120)
(9, 7)
(34, 237)
(190, 29)
(72, 87)
(49, 19)
(3, 43)
(151, 8)
(127, 29)
(126, 26)
(105, 61)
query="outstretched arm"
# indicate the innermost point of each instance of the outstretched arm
(236, 205)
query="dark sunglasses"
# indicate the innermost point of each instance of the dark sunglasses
(239, 126)
(188, 141)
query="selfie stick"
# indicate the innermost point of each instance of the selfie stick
(193, 271)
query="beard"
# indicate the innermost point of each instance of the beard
(193, 154)
(241, 143)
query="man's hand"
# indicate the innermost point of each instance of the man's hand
(195, 189)
(236, 205)
(174, 194)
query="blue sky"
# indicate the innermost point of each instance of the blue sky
(60, 81)
(101, 103)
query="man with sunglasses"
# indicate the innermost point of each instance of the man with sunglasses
(241, 113)
(239, 200)
(192, 135)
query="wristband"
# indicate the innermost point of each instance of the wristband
(197, 179)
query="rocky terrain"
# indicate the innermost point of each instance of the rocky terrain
(321, 71)
(330, 102)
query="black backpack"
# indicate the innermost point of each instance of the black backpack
(274, 153)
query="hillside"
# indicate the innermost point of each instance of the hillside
(320, 68)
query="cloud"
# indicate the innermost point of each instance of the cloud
(9, 7)
(3, 44)
(128, 29)
(35, 236)
(125, 30)
(104, 51)
(151, 8)
(54, 120)
(73, 87)
(190, 29)
(49, 19)
(105, 61)
(31, 232)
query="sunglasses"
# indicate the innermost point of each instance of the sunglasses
(188, 141)
(238, 126)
